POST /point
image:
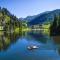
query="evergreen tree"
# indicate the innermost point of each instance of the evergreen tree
(58, 28)
(53, 27)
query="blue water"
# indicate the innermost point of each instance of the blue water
(18, 50)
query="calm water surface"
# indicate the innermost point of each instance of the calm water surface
(48, 48)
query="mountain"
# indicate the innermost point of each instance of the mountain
(28, 18)
(5, 14)
(44, 17)
(8, 21)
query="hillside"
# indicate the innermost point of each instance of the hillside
(8, 22)
(44, 17)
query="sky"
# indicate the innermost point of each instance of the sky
(23, 8)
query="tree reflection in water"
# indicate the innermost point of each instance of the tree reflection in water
(38, 36)
(7, 39)
(56, 40)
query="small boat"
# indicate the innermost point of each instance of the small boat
(32, 47)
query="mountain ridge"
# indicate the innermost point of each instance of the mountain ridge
(46, 16)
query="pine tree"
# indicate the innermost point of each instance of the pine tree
(53, 27)
(58, 28)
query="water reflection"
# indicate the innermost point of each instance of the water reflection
(44, 40)
(6, 39)
(56, 40)
(49, 46)
(39, 36)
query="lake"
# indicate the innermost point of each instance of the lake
(16, 47)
